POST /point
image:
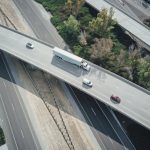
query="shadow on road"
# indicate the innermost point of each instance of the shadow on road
(98, 122)
(72, 69)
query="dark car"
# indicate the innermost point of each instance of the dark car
(30, 45)
(115, 99)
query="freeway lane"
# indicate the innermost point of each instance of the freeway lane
(120, 4)
(11, 100)
(105, 83)
(46, 29)
(129, 24)
(40, 27)
(105, 128)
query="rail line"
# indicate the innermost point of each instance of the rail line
(6, 18)
(61, 126)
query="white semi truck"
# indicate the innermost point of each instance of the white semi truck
(71, 58)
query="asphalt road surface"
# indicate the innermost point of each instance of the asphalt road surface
(104, 126)
(22, 133)
(141, 6)
(41, 28)
(121, 5)
(104, 83)
(32, 19)
(45, 33)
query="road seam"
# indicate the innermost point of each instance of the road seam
(112, 126)
(86, 115)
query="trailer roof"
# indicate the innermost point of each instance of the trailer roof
(66, 53)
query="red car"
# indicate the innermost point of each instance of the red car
(115, 99)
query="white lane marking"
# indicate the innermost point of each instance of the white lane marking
(9, 122)
(13, 107)
(88, 119)
(111, 140)
(4, 83)
(120, 126)
(1, 121)
(20, 104)
(93, 111)
(22, 133)
(114, 128)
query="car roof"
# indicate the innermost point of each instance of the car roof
(86, 80)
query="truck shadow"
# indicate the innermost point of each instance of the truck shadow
(66, 66)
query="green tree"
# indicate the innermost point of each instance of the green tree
(101, 51)
(72, 23)
(79, 4)
(133, 63)
(144, 72)
(69, 5)
(74, 6)
(122, 66)
(2, 137)
(103, 23)
(84, 16)
(70, 30)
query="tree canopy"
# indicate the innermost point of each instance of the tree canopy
(103, 23)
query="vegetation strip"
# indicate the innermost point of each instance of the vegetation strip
(97, 37)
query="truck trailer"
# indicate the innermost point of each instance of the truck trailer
(71, 58)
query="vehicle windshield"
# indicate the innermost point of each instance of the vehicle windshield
(89, 82)
(85, 64)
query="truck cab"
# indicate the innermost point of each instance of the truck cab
(86, 66)
(71, 58)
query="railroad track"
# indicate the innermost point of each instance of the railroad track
(60, 123)
(7, 20)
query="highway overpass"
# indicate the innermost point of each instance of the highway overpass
(136, 29)
(135, 100)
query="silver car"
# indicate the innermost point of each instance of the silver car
(87, 82)
(30, 45)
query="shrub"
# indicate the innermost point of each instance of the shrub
(56, 20)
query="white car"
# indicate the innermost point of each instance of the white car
(30, 45)
(87, 82)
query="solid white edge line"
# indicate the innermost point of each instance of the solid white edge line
(87, 116)
(93, 111)
(22, 133)
(113, 127)
(20, 103)
(4, 84)
(120, 125)
(13, 107)
(8, 121)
